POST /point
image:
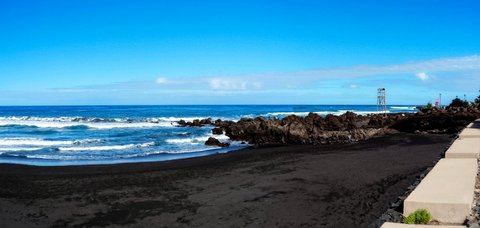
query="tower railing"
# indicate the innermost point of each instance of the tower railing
(381, 101)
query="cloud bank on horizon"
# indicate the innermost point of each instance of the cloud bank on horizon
(424, 79)
(449, 71)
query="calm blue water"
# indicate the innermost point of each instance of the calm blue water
(75, 135)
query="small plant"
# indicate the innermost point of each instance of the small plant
(420, 216)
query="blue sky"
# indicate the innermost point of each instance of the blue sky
(237, 52)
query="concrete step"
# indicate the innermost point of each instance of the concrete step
(400, 225)
(464, 148)
(470, 132)
(447, 191)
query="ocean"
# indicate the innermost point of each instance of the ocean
(82, 135)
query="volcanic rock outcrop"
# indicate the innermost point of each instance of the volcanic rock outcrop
(449, 120)
(215, 142)
(217, 131)
(195, 123)
(346, 128)
(312, 129)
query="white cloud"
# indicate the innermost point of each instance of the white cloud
(467, 63)
(465, 69)
(422, 76)
(257, 85)
(232, 84)
(162, 81)
(309, 79)
(226, 84)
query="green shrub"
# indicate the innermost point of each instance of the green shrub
(429, 105)
(458, 103)
(420, 216)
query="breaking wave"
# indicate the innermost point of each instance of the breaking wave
(196, 140)
(32, 142)
(80, 123)
(113, 147)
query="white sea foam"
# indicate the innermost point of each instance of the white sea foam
(404, 107)
(175, 151)
(20, 148)
(75, 156)
(71, 157)
(64, 122)
(43, 142)
(175, 119)
(286, 113)
(182, 133)
(182, 141)
(370, 112)
(94, 122)
(113, 147)
(88, 141)
(196, 140)
(57, 157)
(31, 142)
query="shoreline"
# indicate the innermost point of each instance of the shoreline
(288, 185)
(142, 166)
(143, 159)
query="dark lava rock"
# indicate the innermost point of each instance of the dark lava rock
(312, 129)
(223, 123)
(182, 123)
(195, 123)
(206, 121)
(217, 131)
(214, 142)
(346, 128)
(450, 120)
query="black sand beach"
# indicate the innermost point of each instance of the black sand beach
(285, 186)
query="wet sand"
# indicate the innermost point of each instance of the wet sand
(282, 186)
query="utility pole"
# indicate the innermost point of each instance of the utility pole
(440, 100)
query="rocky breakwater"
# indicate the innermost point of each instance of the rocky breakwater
(435, 120)
(312, 129)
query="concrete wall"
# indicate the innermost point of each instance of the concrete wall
(464, 148)
(446, 192)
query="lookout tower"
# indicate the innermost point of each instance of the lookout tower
(381, 101)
